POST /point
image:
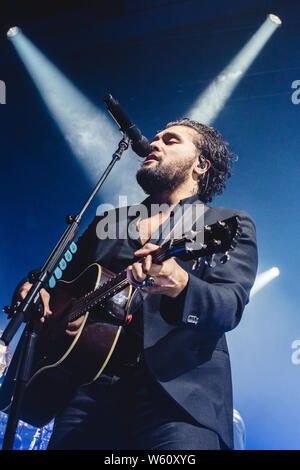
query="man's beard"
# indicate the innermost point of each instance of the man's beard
(158, 178)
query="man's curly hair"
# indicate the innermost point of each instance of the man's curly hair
(212, 147)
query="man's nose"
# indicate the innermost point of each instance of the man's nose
(154, 146)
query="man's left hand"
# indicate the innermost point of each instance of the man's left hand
(169, 278)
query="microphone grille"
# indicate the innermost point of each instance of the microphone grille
(141, 147)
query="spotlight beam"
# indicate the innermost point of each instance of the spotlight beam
(89, 132)
(213, 99)
(77, 118)
(263, 279)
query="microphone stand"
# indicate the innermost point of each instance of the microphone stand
(30, 309)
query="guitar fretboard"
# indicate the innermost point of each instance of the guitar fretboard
(113, 286)
(218, 238)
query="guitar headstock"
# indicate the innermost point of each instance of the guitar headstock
(220, 237)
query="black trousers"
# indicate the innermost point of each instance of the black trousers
(132, 413)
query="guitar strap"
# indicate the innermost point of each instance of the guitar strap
(183, 218)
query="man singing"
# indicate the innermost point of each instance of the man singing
(174, 389)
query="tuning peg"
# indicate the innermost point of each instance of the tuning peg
(197, 264)
(220, 222)
(216, 244)
(210, 261)
(225, 258)
(190, 235)
(233, 244)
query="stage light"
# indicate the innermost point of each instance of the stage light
(211, 102)
(263, 279)
(275, 272)
(13, 31)
(274, 18)
(90, 133)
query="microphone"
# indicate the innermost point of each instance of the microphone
(139, 143)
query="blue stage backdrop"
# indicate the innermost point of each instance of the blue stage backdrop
(157, 59)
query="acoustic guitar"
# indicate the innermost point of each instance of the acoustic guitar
(61, 362)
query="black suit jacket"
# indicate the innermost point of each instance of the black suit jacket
(184, 338)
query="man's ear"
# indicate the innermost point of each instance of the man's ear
(202, 166)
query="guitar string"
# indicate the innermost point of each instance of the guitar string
(118, 283)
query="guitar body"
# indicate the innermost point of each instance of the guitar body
(62, 362)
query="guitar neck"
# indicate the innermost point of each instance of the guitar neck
(218, 238)
(100, 295)
(110, 288)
